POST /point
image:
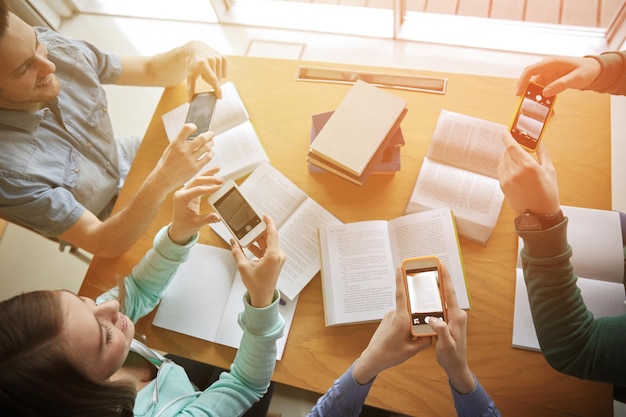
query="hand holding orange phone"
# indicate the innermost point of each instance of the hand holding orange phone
(531, 117)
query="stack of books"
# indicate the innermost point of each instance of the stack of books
(361, 136)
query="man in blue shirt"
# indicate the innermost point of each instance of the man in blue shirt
(60, 164)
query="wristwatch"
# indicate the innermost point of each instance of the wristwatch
(536, 222)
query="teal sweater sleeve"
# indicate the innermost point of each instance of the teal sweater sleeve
(149, 278)
(571, 339)
(253, 367)
(254, 363)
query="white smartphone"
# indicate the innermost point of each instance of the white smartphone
(238, 215)
(200, 112)
(425, 293)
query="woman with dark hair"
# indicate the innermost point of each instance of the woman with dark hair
(65, 355)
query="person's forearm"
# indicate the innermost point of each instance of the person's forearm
(345, 398)
(144, 286)
(612, 79)
(114, 236)
(162, 70)
(124, 228)
(572, 341)
(476, 403)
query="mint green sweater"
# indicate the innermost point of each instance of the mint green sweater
(171, 393)
(571, 339)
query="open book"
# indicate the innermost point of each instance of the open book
(205, 297)
(460, 171)
(236, 146)
(359, 262)
(297, 217)
(598, 261)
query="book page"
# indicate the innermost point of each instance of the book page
(297, 218)
(596, 240)
(271, 193)
(229, 111)
(476, 200)
(194, 301)
(467, 142)
(430, 233)
(205, 297)
(236, 146)
(229, 333)
(602, 298)
(358, 272)
(299, 240)
(237, 152)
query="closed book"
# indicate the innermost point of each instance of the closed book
(390, 162)
(369, 169)
(357, 129)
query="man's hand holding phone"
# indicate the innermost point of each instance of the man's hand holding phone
(200, 113)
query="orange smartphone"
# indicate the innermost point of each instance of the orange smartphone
(425, 293)
(531, 117)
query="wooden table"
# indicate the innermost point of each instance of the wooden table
(520, 382)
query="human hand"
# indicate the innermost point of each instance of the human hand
(261, 275)
(558, 73)
(186, 217)
(182, 159)
(205, 62)
(451, 340)
(391, 343)
(528, 184)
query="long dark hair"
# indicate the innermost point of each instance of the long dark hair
(36, 376)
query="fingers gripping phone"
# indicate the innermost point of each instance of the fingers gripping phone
(531, 117)
(200, 112)
(237, 214)
(425, 293)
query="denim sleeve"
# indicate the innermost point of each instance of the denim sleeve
(344, 399)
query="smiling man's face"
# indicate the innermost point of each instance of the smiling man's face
(27, 77)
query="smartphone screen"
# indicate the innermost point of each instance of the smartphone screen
(532, 115)
(237, 213)
(200, 112)
(424, 295)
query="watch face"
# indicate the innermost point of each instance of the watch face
(528, 221)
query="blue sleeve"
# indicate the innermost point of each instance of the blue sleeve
(344, 399)
(108, 66)
(144, 286)
(475, 404)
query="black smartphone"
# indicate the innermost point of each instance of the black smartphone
(200, 112)
(531, 117)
